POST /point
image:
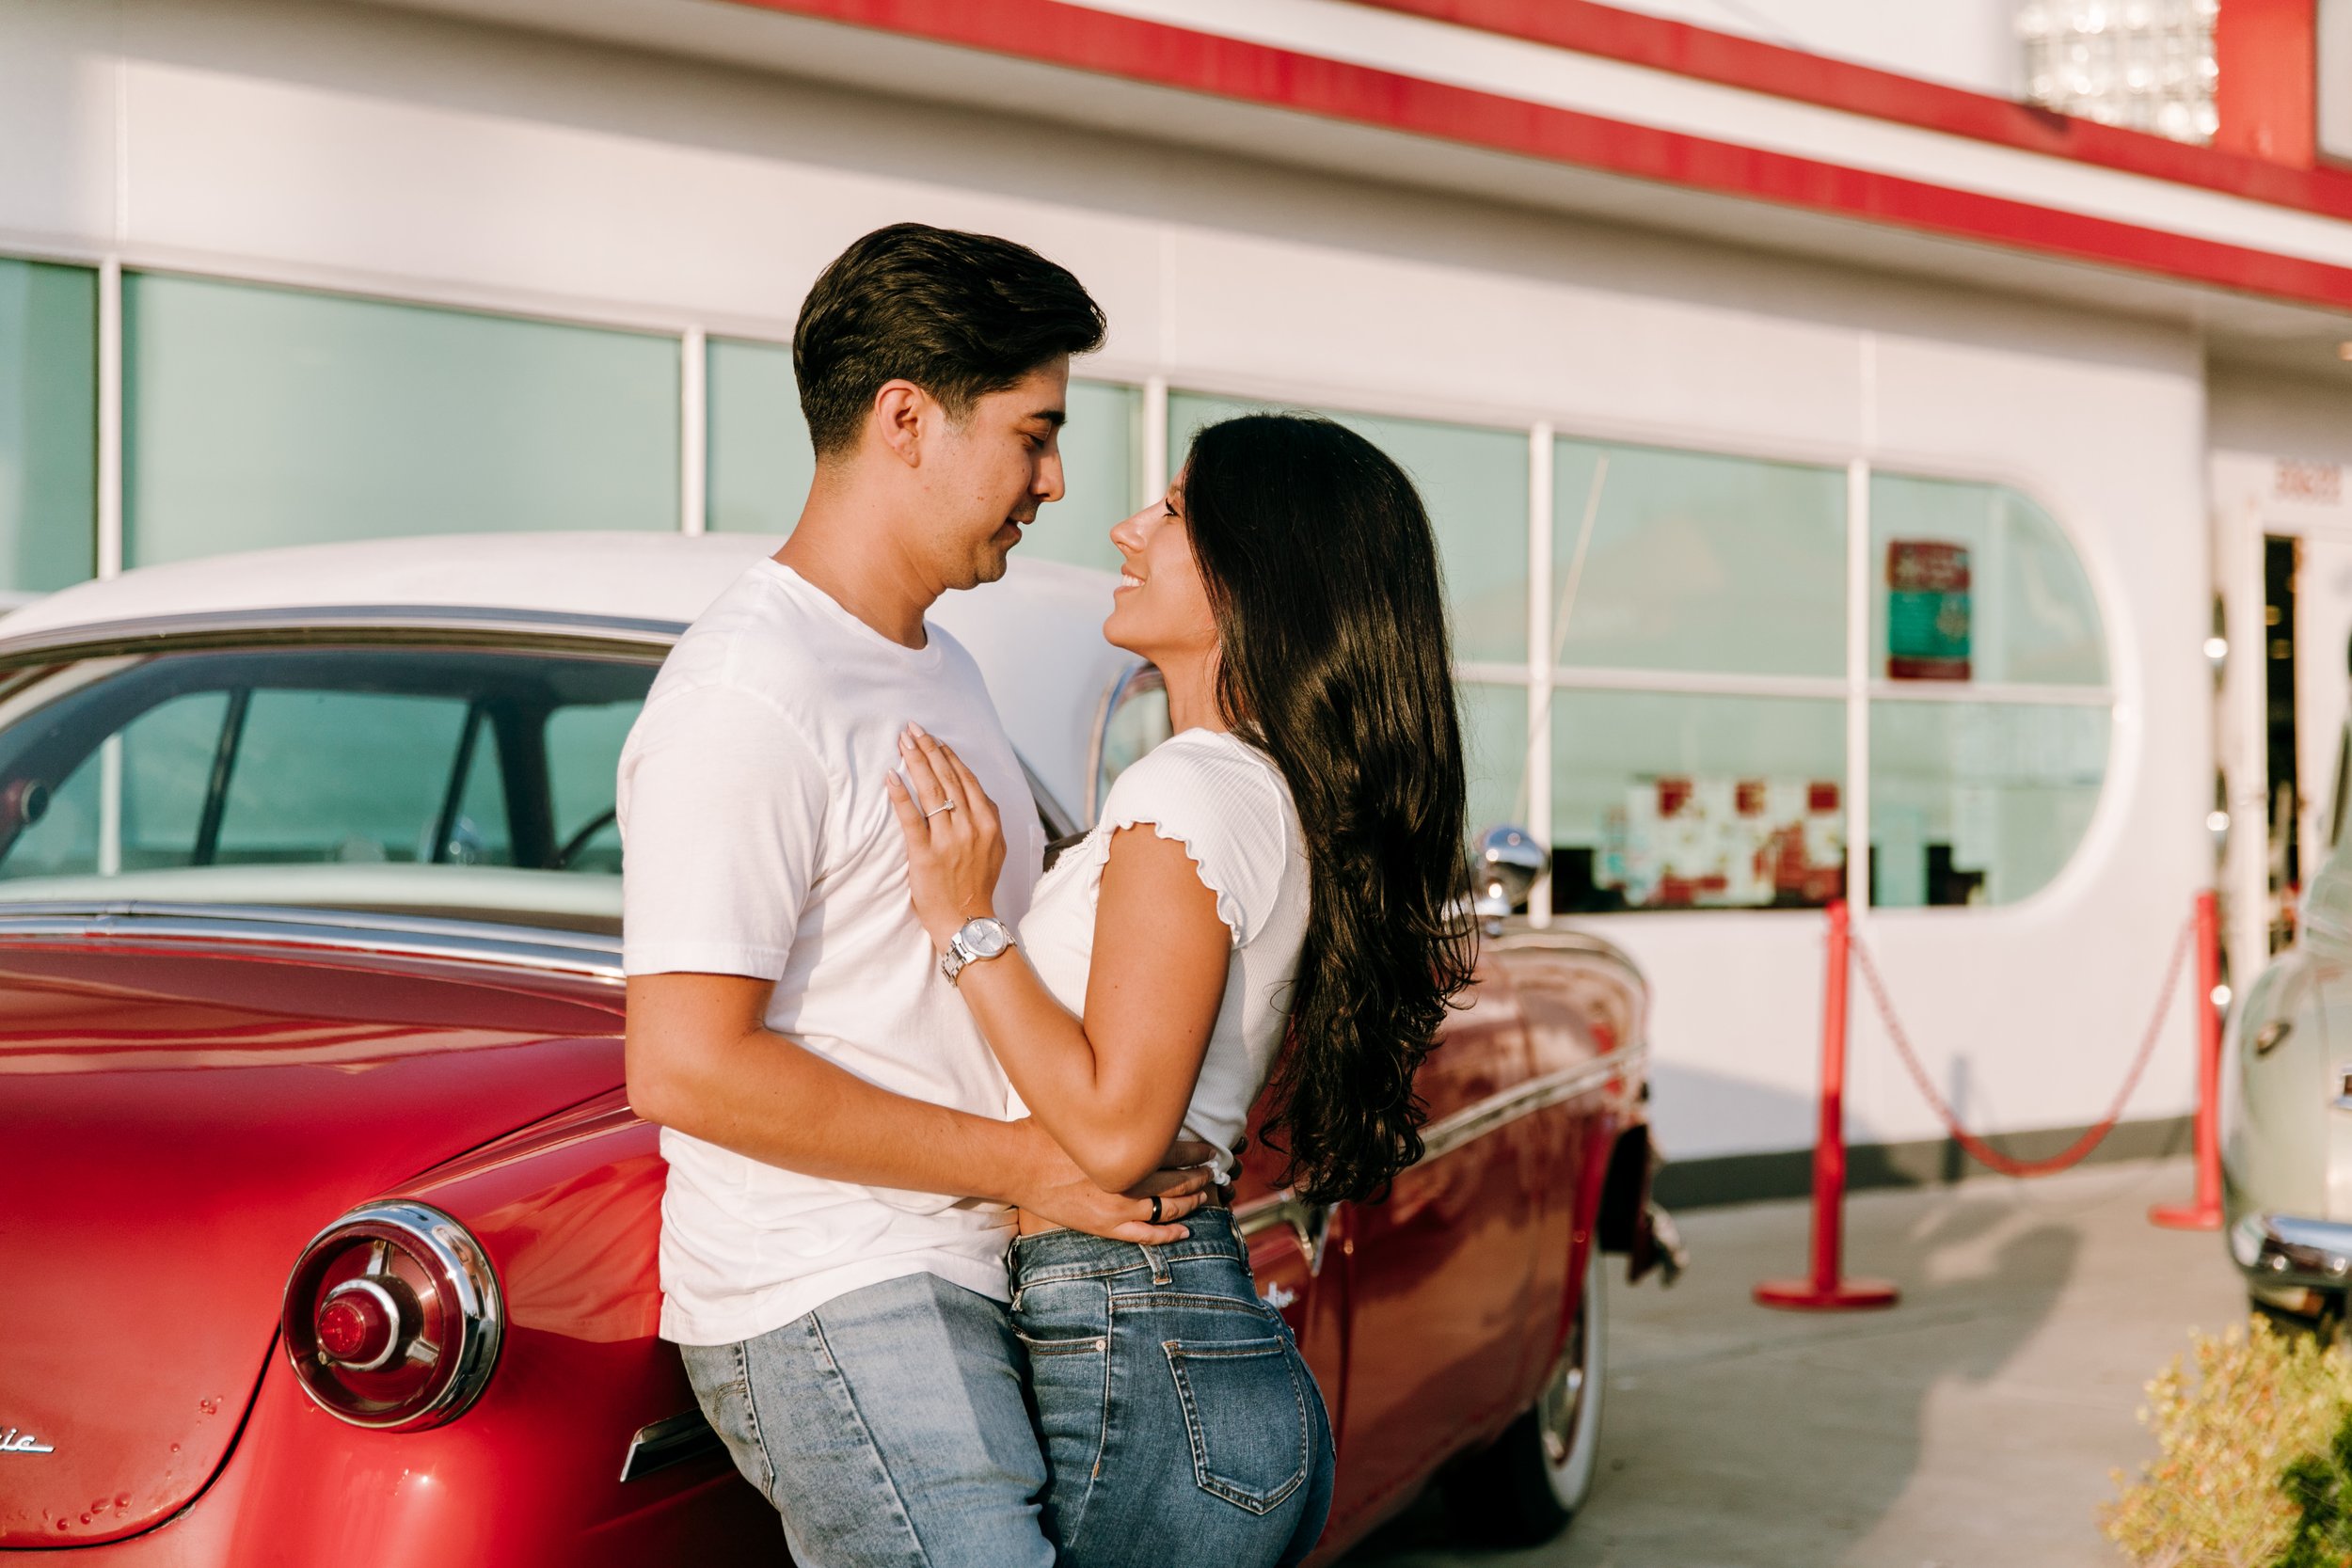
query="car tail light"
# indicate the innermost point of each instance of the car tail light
(392, 1318)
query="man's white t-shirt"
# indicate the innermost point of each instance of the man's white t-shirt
(760, 842)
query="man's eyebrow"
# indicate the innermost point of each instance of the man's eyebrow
(1054, 417)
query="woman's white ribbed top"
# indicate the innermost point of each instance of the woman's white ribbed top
(1225, 801)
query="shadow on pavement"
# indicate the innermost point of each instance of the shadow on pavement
(1976, 1422)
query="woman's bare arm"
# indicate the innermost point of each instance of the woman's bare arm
(1111, 1088)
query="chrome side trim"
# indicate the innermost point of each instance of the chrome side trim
(334, 623)
(672, 1440)
(1497, 1111)
(2280, 1249)
(1311, 1222)
(585, 953)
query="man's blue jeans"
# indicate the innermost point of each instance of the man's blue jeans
(888, 1426)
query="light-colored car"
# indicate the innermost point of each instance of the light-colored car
(2286, 1149)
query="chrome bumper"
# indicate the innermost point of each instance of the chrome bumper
(2280, 1249)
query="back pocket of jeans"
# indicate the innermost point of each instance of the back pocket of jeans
(1247, 1417)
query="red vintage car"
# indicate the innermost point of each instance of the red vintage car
(326, 1234)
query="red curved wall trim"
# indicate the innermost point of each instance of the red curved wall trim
(1077, 38)
(2284, 177)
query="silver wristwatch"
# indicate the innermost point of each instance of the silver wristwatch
(974, 940)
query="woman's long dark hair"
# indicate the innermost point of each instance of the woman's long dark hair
(1333, 656)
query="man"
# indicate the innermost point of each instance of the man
(834, 1225)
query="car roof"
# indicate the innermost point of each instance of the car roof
(1036, 636)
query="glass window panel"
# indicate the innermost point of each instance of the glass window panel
(1696, 562)
(760, 461)
(1976, 582)
(1473, 482)
(48, 425)
(1494, 754)
(257, 417)
(1100, 462)
(1677, 801)
(339, 776)
(1978, 802)
(166, 761)
(583, 761)
(482, 834)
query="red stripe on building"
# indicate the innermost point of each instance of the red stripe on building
(1074, 37)
(2251, 91)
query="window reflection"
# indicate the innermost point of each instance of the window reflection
(1977, 802)
(1673, 801)
(1668, 560)
(255, 417)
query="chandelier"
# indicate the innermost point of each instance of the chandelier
(2144, 64)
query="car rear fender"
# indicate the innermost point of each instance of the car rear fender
(2278, 1143)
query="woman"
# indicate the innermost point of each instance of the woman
(1287, 864)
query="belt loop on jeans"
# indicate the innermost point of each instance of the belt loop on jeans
(1159, 1264)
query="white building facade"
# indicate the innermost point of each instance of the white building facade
(1822, 456)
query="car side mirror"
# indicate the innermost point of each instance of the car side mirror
(1504, 870)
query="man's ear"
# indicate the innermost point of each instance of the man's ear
(900, 413)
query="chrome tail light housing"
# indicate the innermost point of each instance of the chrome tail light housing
(393, 1317)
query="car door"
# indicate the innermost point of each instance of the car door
(1438, 1273)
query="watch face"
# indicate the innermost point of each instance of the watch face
(987, 938)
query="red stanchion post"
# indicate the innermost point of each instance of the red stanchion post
(2203, 1212)
(1825, 1290)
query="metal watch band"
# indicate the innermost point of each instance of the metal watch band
(961, 954)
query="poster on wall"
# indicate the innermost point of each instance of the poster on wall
(1701, 841)
(1926, 610)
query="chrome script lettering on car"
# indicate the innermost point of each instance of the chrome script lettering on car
(13, 1441)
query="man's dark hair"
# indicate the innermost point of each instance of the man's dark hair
(960, 315)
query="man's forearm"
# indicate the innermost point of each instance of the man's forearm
(776, 1102)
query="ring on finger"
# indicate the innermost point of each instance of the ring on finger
(1156, 1208)
(944, 805)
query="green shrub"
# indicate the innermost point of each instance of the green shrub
(2320, 1487)
(2230, 1418)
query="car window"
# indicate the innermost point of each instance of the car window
(447, 781)
(162, 761)
(338, 776)
(583, 744)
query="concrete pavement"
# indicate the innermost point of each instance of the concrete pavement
(1973, 1426)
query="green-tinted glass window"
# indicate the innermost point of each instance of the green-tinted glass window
(1101, 465)
(481, 832)
(1672, 800)
(1685, 561)
(340, 776)
(1473, 482)
(164, 758)
(1494, 754)
(48, 425)
(1975, 582)
(1978, 802)
(583, 743)
(760, 461)
(257, 417)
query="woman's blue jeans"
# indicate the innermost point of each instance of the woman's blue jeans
(1180, 1424)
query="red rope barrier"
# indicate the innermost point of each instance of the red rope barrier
(1983, 1151)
